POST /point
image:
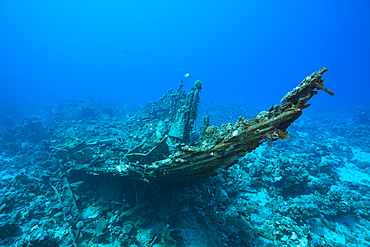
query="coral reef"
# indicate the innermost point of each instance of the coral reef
(309, 190)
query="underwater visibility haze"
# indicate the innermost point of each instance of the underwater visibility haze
(159, 123)
(136, 50)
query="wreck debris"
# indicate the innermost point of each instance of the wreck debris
(163, 149)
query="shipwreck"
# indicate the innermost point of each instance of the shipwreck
(156, 143)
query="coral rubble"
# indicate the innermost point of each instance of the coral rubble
(75, 189)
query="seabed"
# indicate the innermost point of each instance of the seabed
(163, 176)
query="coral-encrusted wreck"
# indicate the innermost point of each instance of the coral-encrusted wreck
(156, 143)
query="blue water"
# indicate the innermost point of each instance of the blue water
(71, 71)
(133, 51)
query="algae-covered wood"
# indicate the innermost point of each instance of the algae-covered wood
(164, 152)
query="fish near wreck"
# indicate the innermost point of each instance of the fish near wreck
(163, 150)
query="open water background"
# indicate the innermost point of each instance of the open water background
(133, 51)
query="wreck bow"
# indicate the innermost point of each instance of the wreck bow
(167, 155)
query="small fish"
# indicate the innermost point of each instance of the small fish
(186, 75)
